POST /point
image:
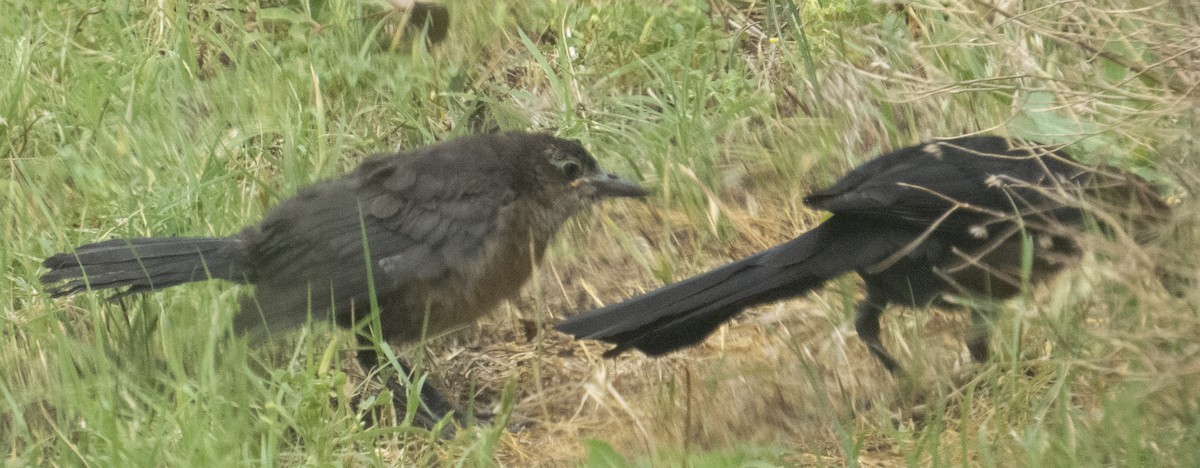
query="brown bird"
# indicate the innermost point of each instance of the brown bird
(950, 217)
(436, 237)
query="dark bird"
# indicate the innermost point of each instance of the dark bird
(950, 217)
(436, 237)
(432, 18)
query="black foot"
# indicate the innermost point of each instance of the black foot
(866, 323)
(980, 334)
(431, 407)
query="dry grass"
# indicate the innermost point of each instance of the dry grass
(731, 109)
(793, 374)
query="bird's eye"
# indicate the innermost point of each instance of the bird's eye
(570, 169)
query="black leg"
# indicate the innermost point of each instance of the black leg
(434, 407)
(866, 323)
(980, 334)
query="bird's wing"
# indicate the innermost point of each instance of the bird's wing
(421, 221)
(973, 177)
(407, 219)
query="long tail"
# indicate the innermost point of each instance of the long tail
(145, 264)
(685, 313)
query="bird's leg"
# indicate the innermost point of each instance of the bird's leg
(980, 334)
(433, 406)
(866, 323)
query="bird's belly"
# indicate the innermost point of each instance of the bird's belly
(460, 298)
(1000, 271)
(994, 270)
(981, 268)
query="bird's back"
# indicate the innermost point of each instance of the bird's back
(975, 179)
(418, 221)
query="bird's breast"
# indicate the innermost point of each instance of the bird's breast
(474, 288)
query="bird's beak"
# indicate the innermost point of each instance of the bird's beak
(612, 186)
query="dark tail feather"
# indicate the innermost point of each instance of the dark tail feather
(144, 264)
(685, 313)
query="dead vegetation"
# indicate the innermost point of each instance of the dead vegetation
(1097, 367)
(792, 374)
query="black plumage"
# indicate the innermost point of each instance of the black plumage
(956, 216)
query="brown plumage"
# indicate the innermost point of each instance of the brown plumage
(446, 231)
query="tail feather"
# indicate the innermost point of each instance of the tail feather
(755, 285)
(144, 264)
(685, 313)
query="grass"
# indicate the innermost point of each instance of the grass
(149, 118)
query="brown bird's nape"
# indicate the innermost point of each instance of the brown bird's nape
(949, 217)
(436, 237)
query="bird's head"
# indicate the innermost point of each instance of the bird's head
(556, 178)
(566, 175)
